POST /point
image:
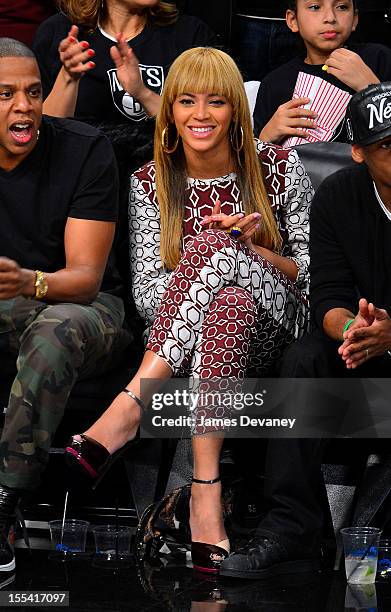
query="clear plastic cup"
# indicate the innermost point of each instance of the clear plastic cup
(360, 598)
(361, 551)
(69, 538)
(112, 543)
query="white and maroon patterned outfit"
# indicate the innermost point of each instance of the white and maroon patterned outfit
(225, 309)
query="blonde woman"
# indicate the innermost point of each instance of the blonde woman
(219, 260)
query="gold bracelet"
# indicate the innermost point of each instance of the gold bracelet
(41, 285)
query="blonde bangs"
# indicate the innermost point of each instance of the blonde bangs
(201, 70)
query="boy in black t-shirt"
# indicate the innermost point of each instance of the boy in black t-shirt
(325, 26)
(60, 314)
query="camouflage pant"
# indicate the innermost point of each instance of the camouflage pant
(55, 345)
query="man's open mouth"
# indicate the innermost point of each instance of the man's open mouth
(21, 132)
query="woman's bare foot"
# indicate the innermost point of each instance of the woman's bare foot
(206, 513)
(118, 424)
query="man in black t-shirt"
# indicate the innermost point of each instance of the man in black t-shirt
(350, 247)
(60, 312)
(350, 295)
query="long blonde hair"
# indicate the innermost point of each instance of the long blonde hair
(204, 70)
(88, 13)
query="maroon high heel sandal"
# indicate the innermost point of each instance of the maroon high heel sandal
(208, 557)
(90, 457)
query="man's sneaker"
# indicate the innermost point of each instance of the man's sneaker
(262, 557)
(7, 557)
(9, 499)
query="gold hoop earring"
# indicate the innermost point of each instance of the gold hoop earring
(233, 135)
(165, 143)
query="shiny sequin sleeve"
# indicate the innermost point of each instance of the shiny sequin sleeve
(149, 277)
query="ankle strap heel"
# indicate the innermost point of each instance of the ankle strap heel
(135, 398)
(207, 558)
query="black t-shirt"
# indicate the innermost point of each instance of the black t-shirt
(278, 86)
(71, 172)
(350, 245)
(101, 96)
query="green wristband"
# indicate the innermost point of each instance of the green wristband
(347, 325)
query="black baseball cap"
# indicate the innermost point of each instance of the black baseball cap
(368, 116)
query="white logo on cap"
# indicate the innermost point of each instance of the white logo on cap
(349, 129)
(380, 114)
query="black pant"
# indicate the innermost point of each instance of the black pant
(294, 484)
(316, 356)
(293, 492)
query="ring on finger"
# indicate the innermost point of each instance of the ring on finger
(235, 231)
(367, 353)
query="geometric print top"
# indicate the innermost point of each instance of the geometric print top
(290, 194)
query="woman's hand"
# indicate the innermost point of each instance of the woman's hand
(349, 68)
(289, 120)
(75, 56)
(128, 72)
(248, 224)
(128, 69)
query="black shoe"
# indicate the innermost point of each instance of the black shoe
(91, 458)
(263, 557)
(7, 557)
(9, 499)
(207, 558)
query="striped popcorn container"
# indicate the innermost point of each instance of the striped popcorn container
(328, 101)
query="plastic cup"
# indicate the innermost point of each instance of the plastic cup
(112, 543)
(361, 552)
(70, 538)
(360, 598)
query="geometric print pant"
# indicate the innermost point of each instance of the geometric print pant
(226, 312)
(53, 345)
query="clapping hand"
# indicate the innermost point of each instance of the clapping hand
(369, 336)
(128, 69)
(75, 56)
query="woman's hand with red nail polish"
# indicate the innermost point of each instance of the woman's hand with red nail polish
(75, 55)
